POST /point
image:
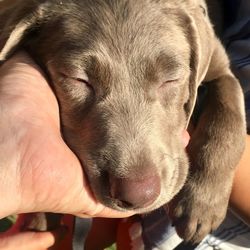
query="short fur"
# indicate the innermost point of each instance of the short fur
(126, 74)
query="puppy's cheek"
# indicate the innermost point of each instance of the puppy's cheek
(180, 173)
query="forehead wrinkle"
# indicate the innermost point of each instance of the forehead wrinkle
(169, 59)
(102, 53)
(105, 69)
(172, 63)
(82, 58)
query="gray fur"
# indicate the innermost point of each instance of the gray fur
(141, 63)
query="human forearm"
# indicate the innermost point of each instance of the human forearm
(240, 196)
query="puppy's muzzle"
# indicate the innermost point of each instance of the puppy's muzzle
(138, 192)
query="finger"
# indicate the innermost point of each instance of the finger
(32, 240)
(27, 241)
(96, 209)
(105, 213)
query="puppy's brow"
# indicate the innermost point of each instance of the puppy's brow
(169, 62)
(97, 69)
(165, 67)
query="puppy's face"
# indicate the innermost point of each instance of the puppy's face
(121, 73)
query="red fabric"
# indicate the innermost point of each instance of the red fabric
(123, 238)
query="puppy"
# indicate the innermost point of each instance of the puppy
(126, 74)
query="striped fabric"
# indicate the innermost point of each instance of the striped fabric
(232, 234)
(158, 234)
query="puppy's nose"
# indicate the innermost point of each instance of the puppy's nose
(135, 193)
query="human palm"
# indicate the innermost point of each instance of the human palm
(40, 173)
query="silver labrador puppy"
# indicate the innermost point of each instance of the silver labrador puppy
(126, 74)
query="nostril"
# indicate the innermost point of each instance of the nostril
(131, 193)
(124, 204)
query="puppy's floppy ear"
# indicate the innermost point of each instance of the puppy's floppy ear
(200, 40)
(16, 21)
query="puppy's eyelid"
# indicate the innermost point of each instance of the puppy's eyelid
(171, 80)
(80, 80)
(169, 83)
(84, 81)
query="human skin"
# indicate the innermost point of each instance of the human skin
(240, 196)
(30, 240)
(60, 238)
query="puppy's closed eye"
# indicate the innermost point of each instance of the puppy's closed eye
(169, 83)
(75, 87)
(82, 80)
(169, 80)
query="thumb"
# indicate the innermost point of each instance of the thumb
(32, 240)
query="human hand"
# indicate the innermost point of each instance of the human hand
(31, 240)
(38, 171)
(21, 238)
